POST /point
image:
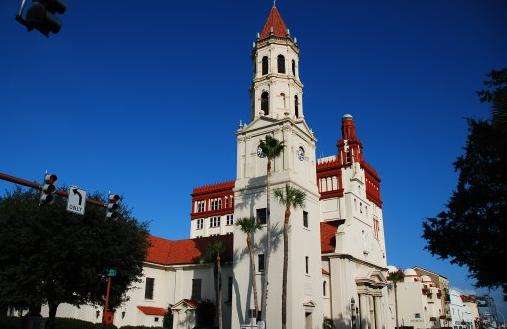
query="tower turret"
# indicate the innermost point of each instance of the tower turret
(276, 95)
(276, 90)
(350, 147)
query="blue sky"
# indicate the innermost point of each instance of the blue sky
(144, 100)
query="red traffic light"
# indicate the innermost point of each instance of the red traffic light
(39, 18)
(112, 206)
(54, 6)
(47, 198)
(50, 178)
(49, 188)
(114, 198)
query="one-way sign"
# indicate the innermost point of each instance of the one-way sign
(76, 201)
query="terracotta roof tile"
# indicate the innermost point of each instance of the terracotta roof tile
(192, 303)
(217, 187)
(274, 24)
(150, 310)
(190, 251)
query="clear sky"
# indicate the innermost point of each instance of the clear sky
(143, 98)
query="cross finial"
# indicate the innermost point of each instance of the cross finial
(274, 3)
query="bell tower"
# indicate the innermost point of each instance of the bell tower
(276, 110)
(276, 88)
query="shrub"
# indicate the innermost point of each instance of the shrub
(138, 327)
(10, 323)
(100, 326)
(60, 323)
(328, 324)
(206, 313)
(65, 323)
(168, 320)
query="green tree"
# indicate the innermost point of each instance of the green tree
(395, 277)
(496, 94)
(167, 323)
(472, 230)
(213, 252)
(249, 226)
(271, 148)
(50, 256)
(205, 314)
(290, 197)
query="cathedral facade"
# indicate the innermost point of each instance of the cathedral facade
(337, 258)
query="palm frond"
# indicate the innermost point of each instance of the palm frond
(290, 196)
(279, 195)
(298, 198)
(213, 250)
(396, 276)
(271, 147)
(248, 225)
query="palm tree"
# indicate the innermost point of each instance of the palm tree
(395, 277)
(271, 148)
(213, 256)
(249, 226)
(290, 197)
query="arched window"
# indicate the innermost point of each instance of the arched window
(281, 64)
(293, 67)
(324, 288)
(265, 102)
(265, 65)
(296, 106)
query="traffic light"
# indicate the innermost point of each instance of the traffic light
(48, 189)
(41, 16)
(112, 206)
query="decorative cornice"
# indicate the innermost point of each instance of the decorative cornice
(354, 259)
(213, 188)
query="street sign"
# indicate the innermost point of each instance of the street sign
(111, 272)
(76, 201)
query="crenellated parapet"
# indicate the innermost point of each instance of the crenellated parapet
(372, 181)
(213, 200)
(329, 178)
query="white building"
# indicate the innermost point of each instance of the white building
(472, 316)
(337, 258)
(462, 310)
(421, 302)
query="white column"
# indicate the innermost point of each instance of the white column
(378, 312)
(178, 285)
(364, 311)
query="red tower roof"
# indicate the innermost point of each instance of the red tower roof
(274, 25)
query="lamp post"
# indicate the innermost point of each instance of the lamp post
(110, 274)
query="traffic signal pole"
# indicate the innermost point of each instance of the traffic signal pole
(37, 186)
(106, 304)
(21, 7)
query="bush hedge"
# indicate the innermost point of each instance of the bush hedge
(10, 323)
(139, 327)
(60, 323)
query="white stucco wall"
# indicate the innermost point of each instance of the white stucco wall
(250, 195)
(172, 284)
